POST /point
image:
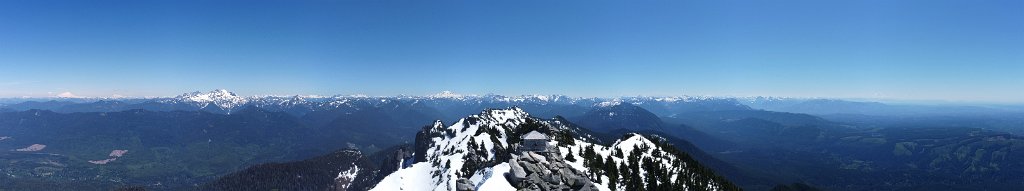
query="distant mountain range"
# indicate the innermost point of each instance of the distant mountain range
(837, 107)
(209, 140)
(224, 101)
(449, 104)
(191, 138)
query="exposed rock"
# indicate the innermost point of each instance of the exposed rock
(394, 161)
(589, 187)
(537, 157)
(578, 181)
(464, 185)
(518, 173)
(530, 167)
(527, 158)
(423, 140)
(566, 170)
(533, 178)
(546, 171)
(554, 178)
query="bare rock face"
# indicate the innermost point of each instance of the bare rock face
(545, 171)
(464, 185)
(518, 173)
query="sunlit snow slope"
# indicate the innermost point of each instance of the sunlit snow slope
(480, 151)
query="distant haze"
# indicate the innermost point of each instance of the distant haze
(958, 51)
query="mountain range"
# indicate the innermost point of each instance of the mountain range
(218, 140)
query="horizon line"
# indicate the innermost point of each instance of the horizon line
(451, 94)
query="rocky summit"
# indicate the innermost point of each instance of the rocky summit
(545, 171)
(491, 151)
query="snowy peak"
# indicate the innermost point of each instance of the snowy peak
(218, 94)
(487, 151)
(219, 97)
(610, 103)
(446, 94)
(473, 152)
(224, 101)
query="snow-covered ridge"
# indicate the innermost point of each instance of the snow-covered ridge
(611, 103)
(220, 97)
(448, 94)
(478, 151)
(225, 96)
(450, 147)
(227, 99)
(224, 101)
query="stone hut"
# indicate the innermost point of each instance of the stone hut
(535, 141)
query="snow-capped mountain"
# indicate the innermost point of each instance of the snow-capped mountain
(482, 152)
(220, 97)
(448, 94)
(450, 103)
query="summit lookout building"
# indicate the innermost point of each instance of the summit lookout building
(535, 141)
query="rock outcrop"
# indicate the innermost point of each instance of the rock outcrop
(464, 185)
(548, 171)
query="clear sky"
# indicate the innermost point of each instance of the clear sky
(930, 49)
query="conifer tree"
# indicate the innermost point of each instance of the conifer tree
(611, 169)
(569, 157)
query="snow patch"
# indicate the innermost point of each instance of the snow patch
(345, 178)
(609, 103)
(118, 153)
(114, 154)
(67, 95)
(446, 94)
(415, 178)
(494, 178)
(33, 147)
(104, 161)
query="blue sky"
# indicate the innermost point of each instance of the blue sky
(926, 50)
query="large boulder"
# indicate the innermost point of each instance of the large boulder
(537, 157)
(554, 178)
(546, 171)
(526, 157)
(518, 173)
(464, 185)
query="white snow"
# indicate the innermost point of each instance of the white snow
(118, 153)
(450, 151)
(347, 176)
(452, 148)
(493, 178)
(446, 94)
(609, 103)
(104, 161)
(220, 97)
(67, 95)
(33, 147)
(668, 99)
(113, 154)
(626, 146)
(417, 177)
